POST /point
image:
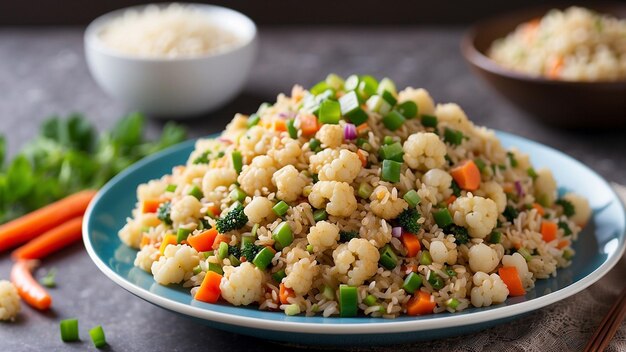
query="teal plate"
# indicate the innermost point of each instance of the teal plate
(599, 248)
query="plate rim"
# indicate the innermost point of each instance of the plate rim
(345, 327)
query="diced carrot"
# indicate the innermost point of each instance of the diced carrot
(466, 175)
(517, 245)
(420, 304)
(362, 157)
(562, 244)
(214, 211)
(548, 230)
(409, 268)
(167, 240)
(150, 206)
(539, 209)
(51, 241)
(508, 187)
(145, 240)
(203, 241)
(450, 199)
(284, 293)
(411, 243)
(219, 239)
(308, 124)
(362, 128)
(31, 225)
(209, 290)
(27, 287)
(554, 70)
(530, 29)
(279, 125)
(511, 279)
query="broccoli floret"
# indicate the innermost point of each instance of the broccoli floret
(568, 208)
(456, 190)
(203, 158)
(234, 220)
(234, 250)
(460, 233)
(408, 220)
(250, 250)
(565, 227)
(164, 213)
(510, 213)
(346, 236)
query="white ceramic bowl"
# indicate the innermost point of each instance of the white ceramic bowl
(174, 87)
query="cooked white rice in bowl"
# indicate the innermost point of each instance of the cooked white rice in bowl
(352, 198)
(575, 44)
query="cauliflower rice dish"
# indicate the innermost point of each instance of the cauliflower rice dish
(576, 44)
(351, 198)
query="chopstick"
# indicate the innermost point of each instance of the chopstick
(609, 325)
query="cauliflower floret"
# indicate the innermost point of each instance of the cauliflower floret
(326, 156)
(386, 204)
(323, 235)
(545, 187)
(9, 301)
(344, 168)
(254, 142)
(300, 275)
(131, 233)
(441, 254)
(259, 210)
(186, 210)
(493, 191)
(176, 263)
(286, 152)
(223, 176)
(454, 116)
(440, 182)
(257, 175)
(477, 214)
(243, 284)
(331, 136)
(289, 183)
(424, 151)
(145, 257)
(420, 96)
(488, 289)
(193, 173)
(152, 190)
(482, 258)
(340, 196)
(357, 260)
(520, 264)
(582, 210)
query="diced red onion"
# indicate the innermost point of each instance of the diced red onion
(519, 189)
(225, 140)
(349, 131)
(396, 232)
(285, 116)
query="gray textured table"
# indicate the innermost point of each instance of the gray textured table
(42, 72)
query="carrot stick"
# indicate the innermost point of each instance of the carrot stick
(209, 290)
(27, 287)
(51, 241)
(31, 225)
(466, 175)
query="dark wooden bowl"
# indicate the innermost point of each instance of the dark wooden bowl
(556, 102)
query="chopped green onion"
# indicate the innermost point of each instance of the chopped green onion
(170, 188)
(237, 160)
(329, 293)
(69, 330)
(388, 257)
(292, 309)
(449, 271)
(480, 164)
(207, 254)
(314, 145)
(495, 237)
(281, 208)
(330, 112)
(309, 248)
(351, 108)
(351, 83)
(525, 253)
(282, 235)
(315, 178)
(391, 171)
(320, 87)
(182, 234)
(216, 268)
(390, 99)
(320, 215)
(408, 109)
(49, 279)
(234, 261)
(335, 82)
(291, 128)
(222, 250)
(412, 198)
(247, 240)
(197, 270)
(426, 259)
(237, 194)
(393, 120)
(388, 140)
(412, 282)
(429, 120)
(367, 86)
(264, 258)
(452, 303)
(377, 104)
(442, 217)
(365, 190)
(452, 137)
(253, 120)
(361, 141)
(568, 254)
(435, 280)
(97, 336)
(348, 301)
(532, 173)
(279, 276)
(196, 192)
(512, 159)
(392, 151)
(370, 300)
(255, 228)
(387, 84)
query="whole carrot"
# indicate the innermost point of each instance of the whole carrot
(33, 224)
(51, 241)
(27, 287)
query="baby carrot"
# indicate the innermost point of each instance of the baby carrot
(51, 241)
(27, 287)
(31, 225)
